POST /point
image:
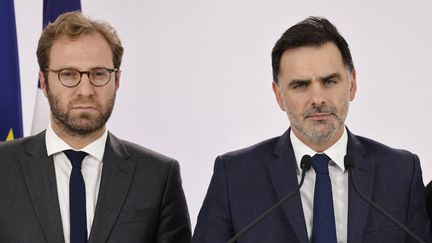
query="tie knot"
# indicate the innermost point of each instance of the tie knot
(75, 157)
(320, 163)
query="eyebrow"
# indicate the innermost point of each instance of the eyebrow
(306, 81)
(295, 82)
(330, 76)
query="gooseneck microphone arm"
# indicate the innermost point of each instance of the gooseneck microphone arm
(305, 165)
(349, 165)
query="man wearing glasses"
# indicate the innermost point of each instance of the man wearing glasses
(77, 182)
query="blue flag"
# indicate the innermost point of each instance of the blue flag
(10, 91)
(51, 10)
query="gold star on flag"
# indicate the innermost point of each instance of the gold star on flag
(10, 135)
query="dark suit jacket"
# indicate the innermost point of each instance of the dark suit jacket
(429, 200)
(140, 197)
(247, 182)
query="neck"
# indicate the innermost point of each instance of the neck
(319, 147)
(76, 141)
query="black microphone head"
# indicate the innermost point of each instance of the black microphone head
(349, 162)
(305, 163)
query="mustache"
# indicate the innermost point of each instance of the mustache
(319, 110)
(84, 101)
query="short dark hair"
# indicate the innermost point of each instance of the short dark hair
(313, 31)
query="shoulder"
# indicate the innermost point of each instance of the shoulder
(386, 160)
(142, 156)
(15, 144)
(263, 148)
(251, 157)
(20, 146)
(380, 150)
(136, 150)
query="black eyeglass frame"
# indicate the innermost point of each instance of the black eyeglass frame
(110, 70)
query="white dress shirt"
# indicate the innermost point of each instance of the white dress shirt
(91, 170)
(339, 182)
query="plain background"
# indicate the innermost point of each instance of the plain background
(196, 74)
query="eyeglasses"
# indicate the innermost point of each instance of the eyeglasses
(71, 77)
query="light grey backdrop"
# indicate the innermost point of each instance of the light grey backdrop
(196, 78)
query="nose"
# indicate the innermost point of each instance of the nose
(85, 88)
(318, 97)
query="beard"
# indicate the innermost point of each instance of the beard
(322, 131)
(81, 124)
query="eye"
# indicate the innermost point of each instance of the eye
(68, 73)
(99, 72)
(299, 85)
(329, 82)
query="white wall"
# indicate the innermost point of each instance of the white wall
(196, 78)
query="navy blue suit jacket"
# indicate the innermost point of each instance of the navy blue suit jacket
(247, 182)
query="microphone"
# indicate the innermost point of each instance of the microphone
(349, 164)
(305, 165)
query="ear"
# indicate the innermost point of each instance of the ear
(353, 85)
(43, 83)
(117, 79)
(278, 95)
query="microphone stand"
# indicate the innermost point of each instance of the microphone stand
(349, 165)
(305, 165)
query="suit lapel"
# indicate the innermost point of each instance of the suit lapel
(364, 178)
(117, 174)
(284, 177)
(283, 173)
(39, 175)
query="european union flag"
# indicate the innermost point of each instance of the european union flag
(10, 92)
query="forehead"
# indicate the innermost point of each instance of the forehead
(84, 51)
(309, 61)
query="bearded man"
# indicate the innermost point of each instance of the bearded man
(314, 80)
(77, 182)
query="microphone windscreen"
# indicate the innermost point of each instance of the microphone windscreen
(349, 162)
(306, 162)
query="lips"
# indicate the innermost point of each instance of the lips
(84, 108)
(319, 116)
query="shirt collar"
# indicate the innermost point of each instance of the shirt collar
(336, 152)
(55, 144)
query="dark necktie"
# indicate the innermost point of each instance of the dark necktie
(324, 228)
(77, 198)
